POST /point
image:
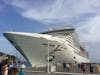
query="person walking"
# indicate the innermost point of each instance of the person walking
(14, 71)
(91, 68)
(68, 67)
(64, 66)
(79, 65)
(5, 67)
(0, 68)
(1, 65)
(21, 72)
(83, 67)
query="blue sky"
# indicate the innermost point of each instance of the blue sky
(40, 15)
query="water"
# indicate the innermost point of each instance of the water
(26, 64)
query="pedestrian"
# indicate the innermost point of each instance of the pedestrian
(68, 67)
(91, 68)
(1, 65)
(0, 68)
(14, 71)
(5, 67)
(11, 66)
(21, 72)
(64, 66)
(83, 67)
(79, 65)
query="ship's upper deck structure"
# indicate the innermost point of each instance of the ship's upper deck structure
(69, 33)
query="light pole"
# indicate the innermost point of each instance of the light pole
(48, 69)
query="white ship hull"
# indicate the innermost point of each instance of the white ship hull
(34, 47)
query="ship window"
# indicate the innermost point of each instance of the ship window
(51, 45)
(44, 44)
(74, 57)
(61, 47)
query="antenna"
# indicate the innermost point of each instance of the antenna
(10, 28)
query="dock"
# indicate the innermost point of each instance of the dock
(74, 70)
(56, 73)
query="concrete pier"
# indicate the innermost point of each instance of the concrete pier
(57, 73)
(74, 70)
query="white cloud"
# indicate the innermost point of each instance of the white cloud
(90, 29)
(52, 11)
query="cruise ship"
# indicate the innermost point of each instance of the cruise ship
(55, 45)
